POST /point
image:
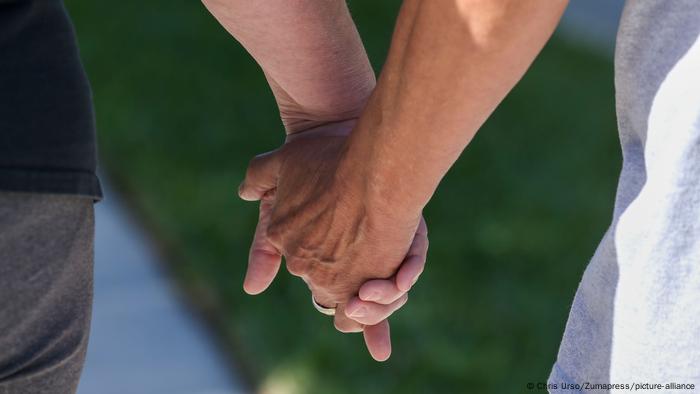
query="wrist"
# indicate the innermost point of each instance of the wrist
(341, 128)
(342, 100)
(379, 174)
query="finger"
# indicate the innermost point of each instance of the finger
(344, 324)
(261, 176)
(371, 313)
(409, 272)
(387, 291)
(382, 291)
(264, 259)
(378, 340)
(414, 263)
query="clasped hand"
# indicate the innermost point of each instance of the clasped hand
(316, 211)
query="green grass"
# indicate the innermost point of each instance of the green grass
(180, 110)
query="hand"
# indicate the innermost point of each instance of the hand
(377, 296)
(332, 236)
(382, 297)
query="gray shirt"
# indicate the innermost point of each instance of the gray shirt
(635, 319)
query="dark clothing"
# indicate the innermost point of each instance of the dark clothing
(47, 127)
(46, 262)
(47, 149)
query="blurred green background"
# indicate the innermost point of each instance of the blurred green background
(181, 108)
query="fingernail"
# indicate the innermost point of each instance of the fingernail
(359, 312)
(415, 279)
(373, 296)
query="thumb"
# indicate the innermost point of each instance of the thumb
(261, 175)
(264, 259)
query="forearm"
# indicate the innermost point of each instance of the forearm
(310, 52)
(455, 62)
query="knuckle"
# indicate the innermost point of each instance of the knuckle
(326, 280)
(274, 231)
(297, 267)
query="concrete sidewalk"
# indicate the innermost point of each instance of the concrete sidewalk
(143, 339)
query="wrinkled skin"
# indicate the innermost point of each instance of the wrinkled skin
(316, 213)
